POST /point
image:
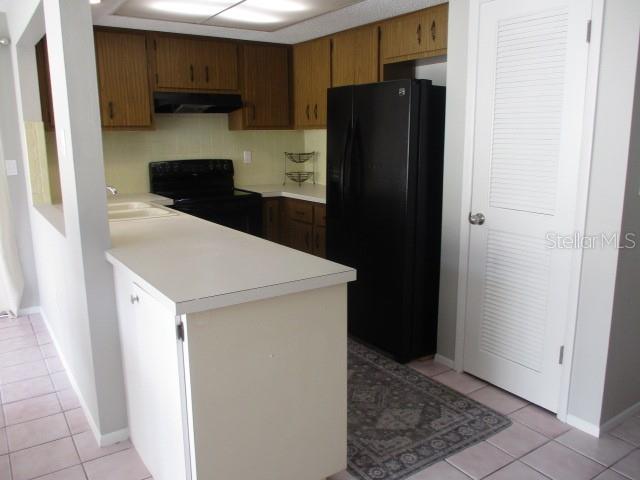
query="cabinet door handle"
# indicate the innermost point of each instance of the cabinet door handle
(308, 109)
(191, 73)
(433, 30)
(419, 34)
(135, 299)
(206, 73)
(111, 110)
(315, 111)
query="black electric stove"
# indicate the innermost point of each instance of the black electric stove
(205, 189)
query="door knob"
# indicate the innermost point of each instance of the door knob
(477, 219)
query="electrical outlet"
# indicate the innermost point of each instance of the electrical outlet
(247, 157)
(12, 167)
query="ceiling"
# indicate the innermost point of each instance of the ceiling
(127, 14)
(263, 15)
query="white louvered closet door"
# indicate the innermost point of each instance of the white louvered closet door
(531, 78)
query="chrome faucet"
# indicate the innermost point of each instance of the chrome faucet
(112, 190)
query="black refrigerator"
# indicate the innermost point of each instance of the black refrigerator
(385, 145)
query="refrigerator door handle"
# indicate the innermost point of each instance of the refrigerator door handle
(343, 165)
(355, 165)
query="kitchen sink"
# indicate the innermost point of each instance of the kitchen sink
(140, 213)
(116, 207)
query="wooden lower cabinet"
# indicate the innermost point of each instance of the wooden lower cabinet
(299, 235)
(296, 224)
(320, 241)
(271, 219)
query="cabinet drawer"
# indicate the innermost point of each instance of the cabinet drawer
(300, 211)
(320, 215)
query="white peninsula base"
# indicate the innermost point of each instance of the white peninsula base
(253, 391)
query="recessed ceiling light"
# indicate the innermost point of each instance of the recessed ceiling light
(209, 8)
(94, 2)
(277, 5)
(247, 15)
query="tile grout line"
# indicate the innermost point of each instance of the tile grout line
(28, 379)
(73, 441)
(627, 455)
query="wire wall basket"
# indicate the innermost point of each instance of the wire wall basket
(296, 167)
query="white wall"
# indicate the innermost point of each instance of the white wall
(456, 71)
(75, 281)
(435, 71)
(622, 384)
(9, 133)
(611, 147)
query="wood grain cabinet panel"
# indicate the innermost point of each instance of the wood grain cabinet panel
(271, 219)
(355, 56)
(187, 63)
(417, 35)
(216, 65)
(320, 230)
(321, 68)
(264, 79)
(303, 226)
(320, 241)
(44, 84)
(300, 211)
(312, 74)
(174, 63)
(300, 236)
(121, 59)
(437, 29)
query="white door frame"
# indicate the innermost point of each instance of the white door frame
(583, 189)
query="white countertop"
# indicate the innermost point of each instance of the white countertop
(306, 191)
(191, 265)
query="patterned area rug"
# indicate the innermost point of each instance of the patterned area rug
(400, 421)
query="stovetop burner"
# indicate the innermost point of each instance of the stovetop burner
(205, 189)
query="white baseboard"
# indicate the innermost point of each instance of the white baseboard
(447, 362)
(586, 427)
(621, 417)
(28, 311)
(104, 440)
(114, 437)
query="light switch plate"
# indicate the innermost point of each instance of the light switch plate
(247, 157)
(11, 167)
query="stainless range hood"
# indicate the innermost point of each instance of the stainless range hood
(180, 102)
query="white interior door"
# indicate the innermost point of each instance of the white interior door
(532, 60)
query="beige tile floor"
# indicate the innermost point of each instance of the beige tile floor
(536, 447)
(44, 434)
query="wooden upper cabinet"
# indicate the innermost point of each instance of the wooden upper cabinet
(355, 56)
(216, 65)
(417, 35)
(312, 74)
(438, 29)
(264, 78)
(123, 78)
(303, 89)
(174, 62)
(44, 84)
(187, 63)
